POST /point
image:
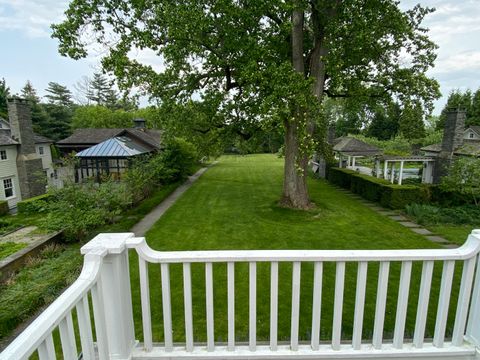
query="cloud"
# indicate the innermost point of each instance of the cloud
(32, 18)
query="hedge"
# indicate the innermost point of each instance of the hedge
(33, 205)
(3, 207)
(378, 190)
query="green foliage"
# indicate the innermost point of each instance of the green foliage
(411, 124)
(396, 146)
(180, 158)
(463, 100)
(4, 94)
(434, 215)
(8, 248)
(379, 190)
(464, 177)
(3, 207)
(385, 122)
(34, 205)
(58, 94)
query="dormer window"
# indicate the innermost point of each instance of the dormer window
(471, 136)
(3, 155)
(40, 150)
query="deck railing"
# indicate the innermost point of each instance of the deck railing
(107, 332)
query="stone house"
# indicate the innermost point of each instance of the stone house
(457, 141)
(25, 157)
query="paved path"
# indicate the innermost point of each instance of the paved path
(402, 220)
(152, 217)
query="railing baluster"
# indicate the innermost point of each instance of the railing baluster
(338, 305)
(423, 300)
(463, 302)
(359, 305)
(473, 323)
(67, 338)
(145, 300)
(252, 343)
(317, 304)
(167, 307)
(187, 295)
(231, 305)
(273, 305)
(85, 327)
(443, 303)
(209, 300)
(46, 350)
(295, 318)
(402, 304)
(99, 317)
(380, 305)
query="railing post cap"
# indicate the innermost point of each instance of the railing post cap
(113, 243)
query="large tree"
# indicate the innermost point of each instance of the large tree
(58, 94)
(4, 94)
(265, 60)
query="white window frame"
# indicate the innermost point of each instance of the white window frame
(471, 135)
(41, 150)
(4, 188)
(6, 155)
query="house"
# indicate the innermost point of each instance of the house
(109, 151)
(25, 157)
(457, 141)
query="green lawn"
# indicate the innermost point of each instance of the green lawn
(234, 206)
(455, 233)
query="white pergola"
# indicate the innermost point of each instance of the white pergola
(394, 161)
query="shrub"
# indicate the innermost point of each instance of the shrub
(464, 177)
(34, 205)
(3, 207)
(179, 157)
(373, 189)
(432, 215)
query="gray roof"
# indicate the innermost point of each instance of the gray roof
(351, 146)
(469, 148)
(121, 146)
(7, 140)
(89, 136)
(40, 139)
(475, 128)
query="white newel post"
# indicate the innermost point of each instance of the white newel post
(473, 325)
(116, 293)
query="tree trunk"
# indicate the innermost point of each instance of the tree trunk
(295, 192)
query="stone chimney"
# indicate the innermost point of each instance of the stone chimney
(139, 123)
(452, 140)
(29, 165)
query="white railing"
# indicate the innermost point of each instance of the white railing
(106, 280)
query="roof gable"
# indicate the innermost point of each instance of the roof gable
(120, 146)
(350, 145)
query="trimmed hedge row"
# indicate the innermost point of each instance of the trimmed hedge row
(33, 205)
(378, 190)
(3, 207)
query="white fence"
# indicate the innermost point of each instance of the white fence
(97, 308)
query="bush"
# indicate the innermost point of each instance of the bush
(433, 215)
(373, 189)
(33, 205)
(180, 158)
(3, 207)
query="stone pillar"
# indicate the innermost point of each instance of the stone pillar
(452, 140)
(31, 176)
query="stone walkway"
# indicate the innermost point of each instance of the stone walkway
(25, 234)
(402, 220)
(141, 228)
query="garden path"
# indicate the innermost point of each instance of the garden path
(140, 228)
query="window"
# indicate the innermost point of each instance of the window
(471, 135)
(3, 155)
(40, 150)
(8, 188)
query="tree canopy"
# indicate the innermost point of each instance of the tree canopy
(261, 62)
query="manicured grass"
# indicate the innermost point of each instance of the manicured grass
(9, 248)
(455, 233)
(234, 206)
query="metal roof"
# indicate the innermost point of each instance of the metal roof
(119, 146)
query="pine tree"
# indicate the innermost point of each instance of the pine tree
(411, 124)
(58, 94)
(29, 93)
(4, 93)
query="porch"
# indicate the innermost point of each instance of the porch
(96, 311)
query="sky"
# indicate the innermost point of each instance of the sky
(29, 53)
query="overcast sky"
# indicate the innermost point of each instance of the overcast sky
(28, 52)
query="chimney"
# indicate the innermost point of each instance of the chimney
(139, 123)
(29, 165)
(454, 128)
(452, 140)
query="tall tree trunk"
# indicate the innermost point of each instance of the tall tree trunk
(295, 192)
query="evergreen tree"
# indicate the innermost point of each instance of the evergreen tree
(29, 93)
(58, 94)
(475, 109)
(411, 124)
(385, 122)
(4, 93)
